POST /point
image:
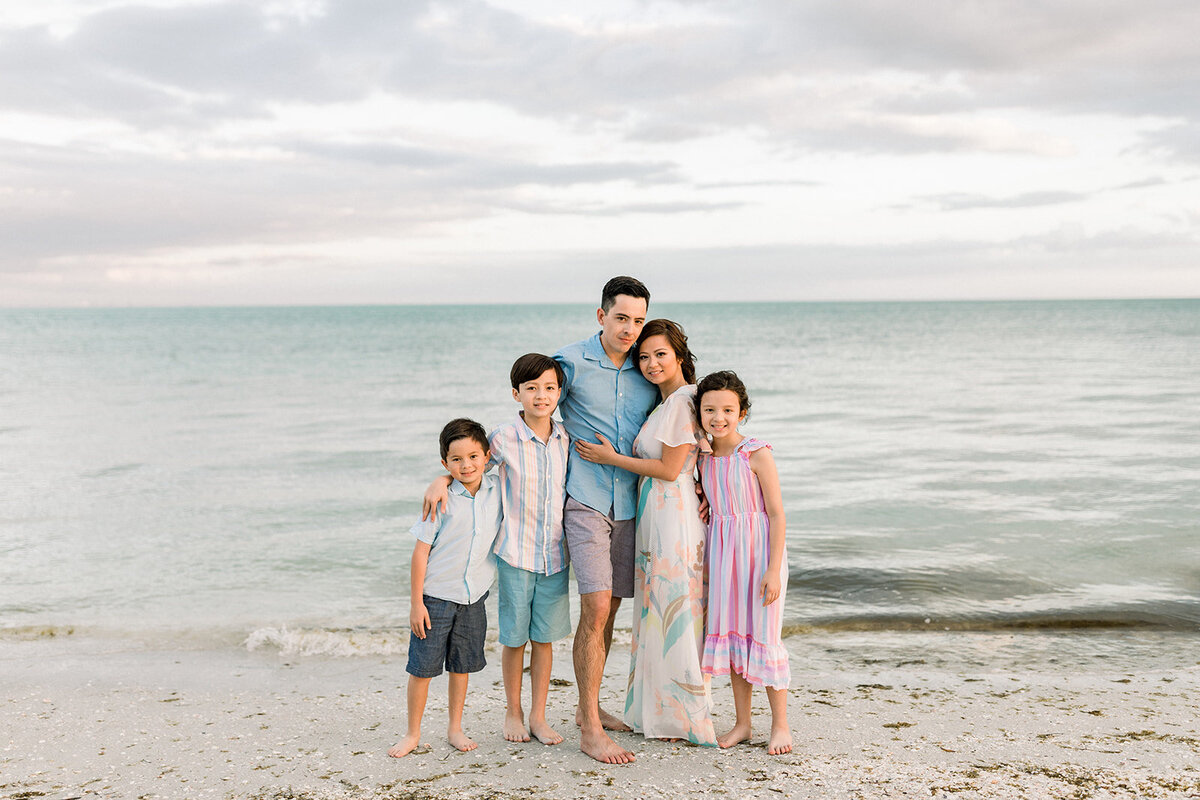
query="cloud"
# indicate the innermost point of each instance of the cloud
(811, 70)
(1179, 142)
(106, 201)
(1063, 263)
(964, 201)
(763, 184)
(623, 209)
(191, 129)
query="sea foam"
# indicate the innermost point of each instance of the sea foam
(343, 642)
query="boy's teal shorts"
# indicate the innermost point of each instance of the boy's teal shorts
(532, 605)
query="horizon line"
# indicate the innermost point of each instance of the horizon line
(493, 304)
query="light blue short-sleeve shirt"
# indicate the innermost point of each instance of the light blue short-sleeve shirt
(461, 565)
(599, 397)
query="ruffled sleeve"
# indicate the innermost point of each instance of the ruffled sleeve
(750, 444)
(677, 425)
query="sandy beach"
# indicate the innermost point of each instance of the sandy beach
(91, 719)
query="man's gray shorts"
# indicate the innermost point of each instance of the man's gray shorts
(601, 549)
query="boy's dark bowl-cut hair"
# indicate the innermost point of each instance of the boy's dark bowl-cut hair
(530, 367)
(623, 284)
(462, 428)
(727, 380)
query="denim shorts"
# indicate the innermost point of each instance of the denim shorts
(601, 549)
(454, 639)
(532, 605)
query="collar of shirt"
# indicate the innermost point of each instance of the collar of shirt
(526, 432)
(593, 350)
(488, 482)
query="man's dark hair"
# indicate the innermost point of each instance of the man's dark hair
(623, 284)
(462, 428)
(530, 367)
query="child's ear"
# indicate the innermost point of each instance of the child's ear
(516, 395)
(445, 466)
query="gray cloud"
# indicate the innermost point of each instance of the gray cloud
(621, 209)
(964, 201)
(1180, 142)
(194, 64)
(105, 201)
(828, 77)
(764, 184)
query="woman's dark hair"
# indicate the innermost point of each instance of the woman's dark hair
(462, 428)
(530, 367)
(724, 380)
(678, 341)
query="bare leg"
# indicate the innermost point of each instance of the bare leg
(609, 721)
(458, 697)
(589, 655)
(418, 693)
(740, 732)
(781, 734)
(512, 663)
(541, 659)
(614, 605)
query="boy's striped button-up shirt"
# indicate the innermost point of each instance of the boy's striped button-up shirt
(533, 481)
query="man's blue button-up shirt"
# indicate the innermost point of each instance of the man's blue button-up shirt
(599, 397)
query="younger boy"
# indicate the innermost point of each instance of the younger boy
(531, 455)
(452, 569)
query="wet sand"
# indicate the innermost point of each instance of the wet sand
(94, 719)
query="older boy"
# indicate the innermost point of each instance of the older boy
(452, 569)
(531, 457)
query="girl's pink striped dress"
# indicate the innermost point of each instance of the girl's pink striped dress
(739, 631)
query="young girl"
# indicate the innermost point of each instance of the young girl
(747, 567)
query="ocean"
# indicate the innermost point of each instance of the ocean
(248, 476)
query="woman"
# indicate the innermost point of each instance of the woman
(668, 696)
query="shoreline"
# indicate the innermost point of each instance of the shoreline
(961, 719)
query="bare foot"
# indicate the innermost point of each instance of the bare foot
(514, 728)
(736, 735)
(780, 743)
(405, 746)
(603, 749)
(461, 741)
(544, 733)
(607, 720)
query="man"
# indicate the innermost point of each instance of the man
(603, 393)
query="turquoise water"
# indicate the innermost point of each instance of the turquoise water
(220, 472)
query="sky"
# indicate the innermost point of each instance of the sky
(400, 151)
